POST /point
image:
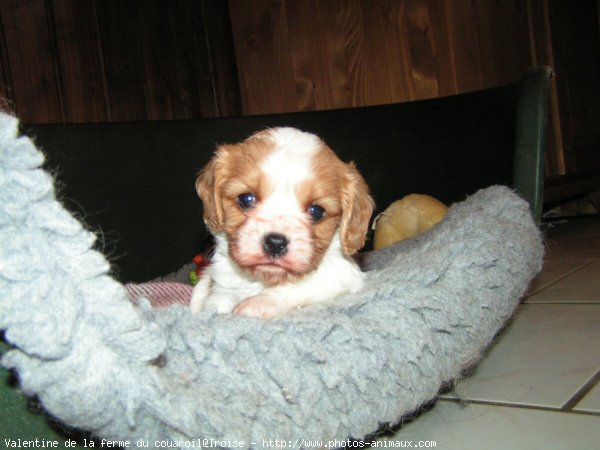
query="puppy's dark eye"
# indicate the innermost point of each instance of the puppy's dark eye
(247, 200)
(316, 212)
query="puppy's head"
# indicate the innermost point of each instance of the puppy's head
(280, 198)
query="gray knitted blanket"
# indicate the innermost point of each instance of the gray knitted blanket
(329, 371)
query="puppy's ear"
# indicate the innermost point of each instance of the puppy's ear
(357, 207)
(208, 185)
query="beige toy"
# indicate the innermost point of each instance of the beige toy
(407, 217)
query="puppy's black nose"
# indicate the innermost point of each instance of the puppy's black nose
(275, 244)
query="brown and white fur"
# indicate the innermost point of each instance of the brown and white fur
(286, 215)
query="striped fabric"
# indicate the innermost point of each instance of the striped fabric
(161, 294)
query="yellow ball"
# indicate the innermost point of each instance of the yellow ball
(407, 217)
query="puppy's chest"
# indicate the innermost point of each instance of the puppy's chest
(226, 277)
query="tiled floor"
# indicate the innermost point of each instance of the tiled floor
(539, 386)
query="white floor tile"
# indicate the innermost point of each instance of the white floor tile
(542, 359)
(581, 286)
(591, 402)
(458, 426)
(573, 248)
(583, 228)
(553, 272)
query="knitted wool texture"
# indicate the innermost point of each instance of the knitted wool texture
(331, 371)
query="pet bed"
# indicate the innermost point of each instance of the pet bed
(331, 371)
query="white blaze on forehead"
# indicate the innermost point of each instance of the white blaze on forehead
(289, 164)
(292, 158)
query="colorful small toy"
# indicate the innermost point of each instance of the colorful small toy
(201, 263)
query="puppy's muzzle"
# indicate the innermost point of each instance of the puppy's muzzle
(275, 245)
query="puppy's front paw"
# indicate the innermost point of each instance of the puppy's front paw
(261, 306)
(200, 293)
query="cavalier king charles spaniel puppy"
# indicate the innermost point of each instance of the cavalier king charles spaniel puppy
(287, 215)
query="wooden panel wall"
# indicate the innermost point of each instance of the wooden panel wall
(134, 60)
(30, 57)
(576, 43)
(117, 60)
(318, 54)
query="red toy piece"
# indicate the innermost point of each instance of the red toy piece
(201, 262)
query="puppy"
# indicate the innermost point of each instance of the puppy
(286, 215)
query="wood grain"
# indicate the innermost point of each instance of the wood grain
(117, 60)
(31, 54)
(321, 70)
(464, 46)
(576, 44)
(122, 56)
(131, 60)
(502, 29)
(265, 68)
(321, 54)
(6, 100)
(193, 67)
(79, 59)
(219, 42)
(160, 59)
